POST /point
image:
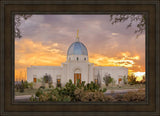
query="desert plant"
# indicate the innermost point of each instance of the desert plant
(33, 98)
(72, 92)
(42, 87)
(113, 81)
(133, 96)
(107, 79)
(109, 98)
(22, 87)
(124, 80)
(58, 84)
(47, 79)
(17, 86)
(30, 85)
(39, 92)
(132, 79)
(66, 99)
(25, 84)
(92, 96)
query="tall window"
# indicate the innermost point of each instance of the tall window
(58, 82)
(77, 58)
(34, 78)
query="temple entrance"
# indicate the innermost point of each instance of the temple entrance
(76, 77)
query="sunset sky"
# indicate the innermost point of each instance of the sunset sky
(46, 38)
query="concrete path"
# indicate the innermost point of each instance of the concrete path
(22, 98)
(121, 91)
(114, 92)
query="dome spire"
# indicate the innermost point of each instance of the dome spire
(77, 38)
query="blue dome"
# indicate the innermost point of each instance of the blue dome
(77, 48)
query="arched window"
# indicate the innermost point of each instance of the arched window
(77, 58)
(84, 58)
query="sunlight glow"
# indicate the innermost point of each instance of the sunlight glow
(139, 75)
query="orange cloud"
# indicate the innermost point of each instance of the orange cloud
(124, 60)
(29, 53)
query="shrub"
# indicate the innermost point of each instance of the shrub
(107, 79)
(119, 97)
(17, 86)
(21, 88)
(33, 99)
(91, 87)
(92, 96)
(47, 79)
(109, 98)
(30, 85)
(124, 80)
(71, 93)
(51, 86)
(58, 84)
(132, 79)
(25, 83)
(134, 96)
(42, 87)
(66, 99)
(39, 92)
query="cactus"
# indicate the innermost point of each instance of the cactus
(71, 92)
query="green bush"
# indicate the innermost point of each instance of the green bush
(42, 87)
(30, 85)
(124, 80)
(39, 92)
(72, 92)
(47, 79)
(132, 80)
(25, 84)
(21, 88)
(107, 79)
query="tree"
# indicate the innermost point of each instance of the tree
(138, 19)
(143, 80)
(107, 79)
(132, 79)
(99, 79)
(124, 80)
(47, 79)
(25, 83)
(22, 86)
(18, 21)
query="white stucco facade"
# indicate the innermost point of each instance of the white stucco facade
(76, 63)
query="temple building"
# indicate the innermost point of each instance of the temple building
(77, 66)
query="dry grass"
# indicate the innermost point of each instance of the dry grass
(135, 96)
(26, 92)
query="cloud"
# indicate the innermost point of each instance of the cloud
(123, 60)
(29, 53)
(114, 33)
